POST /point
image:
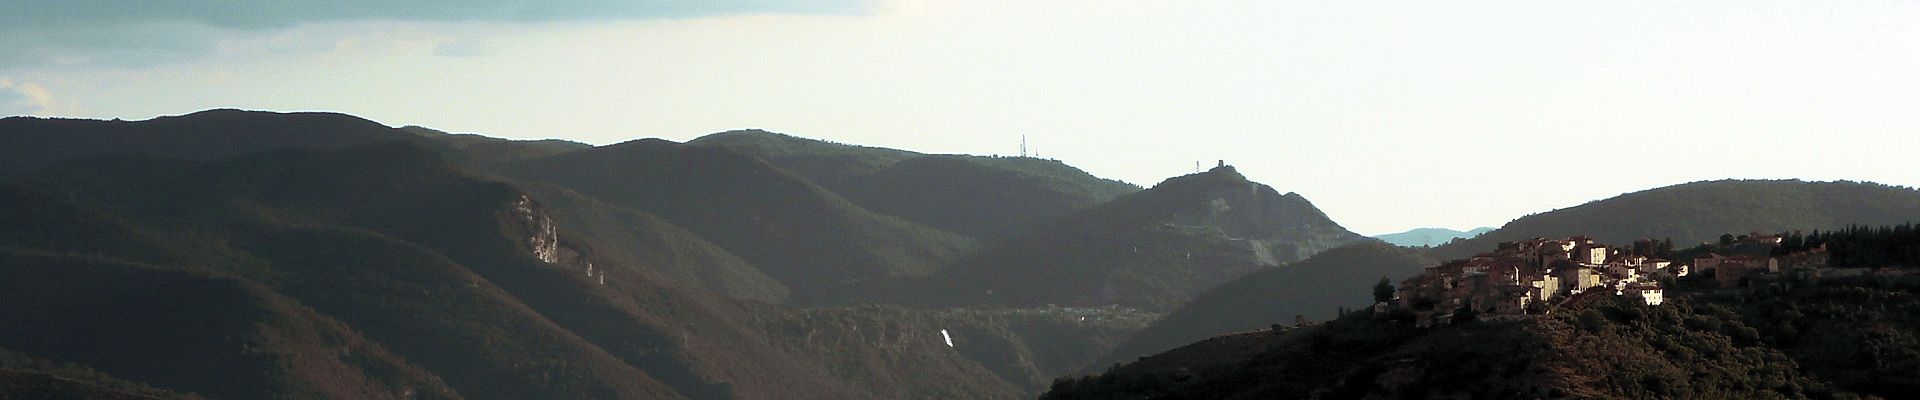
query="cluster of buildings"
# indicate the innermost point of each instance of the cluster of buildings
(1531, 275)
(1730, 270)
(1534, 273)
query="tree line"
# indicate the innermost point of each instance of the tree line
(1860, 245)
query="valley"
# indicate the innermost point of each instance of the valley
(321, 255)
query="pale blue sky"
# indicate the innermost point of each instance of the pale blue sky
(1388, 115)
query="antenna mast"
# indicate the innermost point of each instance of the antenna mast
(1023, 145)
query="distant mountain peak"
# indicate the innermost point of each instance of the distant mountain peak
(203, 135)
(222, 111)
(1157, 248)
(746, 140)
(748, 133)
(643, 142)
(1226, 200)
(752, 131)
(1216, 178)
(233, 114)
(1430, 236)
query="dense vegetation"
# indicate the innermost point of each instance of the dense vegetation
(38, 142)
(219, 337)
(1792, 335)
(477, 149)
(435, 265)
(1313, 289)
(660, 247)
(233, 254)
(392, 263)
(1025, 347)
(827, 250)
(384, 238)
(25, 377)
(991, 199)
(1896, 246)
(1612, 349)
(1857, 333)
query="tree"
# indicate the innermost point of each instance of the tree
(1383, 291)
(1465, 314)
(1726, 240)
(1591, 320)
(1536, 308)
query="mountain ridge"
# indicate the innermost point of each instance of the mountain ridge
(1313, 289)
(388, 259)
(812, 240)
(200, 135)
(1696, 212)
(261, 215)
(1428, 237)
(988, 198)
(1153, 249)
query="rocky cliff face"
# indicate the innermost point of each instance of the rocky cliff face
(542, 237)
(816, 243)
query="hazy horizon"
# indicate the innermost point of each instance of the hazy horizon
(1388, 116)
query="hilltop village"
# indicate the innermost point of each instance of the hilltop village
(1529, 276)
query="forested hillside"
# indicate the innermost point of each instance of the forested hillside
(1701, 211)
(237, 254)
(398, 263)
(991, 199)
(1809, 331)
(1314, 289)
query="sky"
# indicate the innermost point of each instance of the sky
(1388, 115)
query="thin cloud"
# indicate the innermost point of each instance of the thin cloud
(24, 98)
(238, 14)
(459, 48)
(11, 102)
(54, 33)
(133, 44)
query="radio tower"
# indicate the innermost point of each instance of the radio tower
(1023, 145)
